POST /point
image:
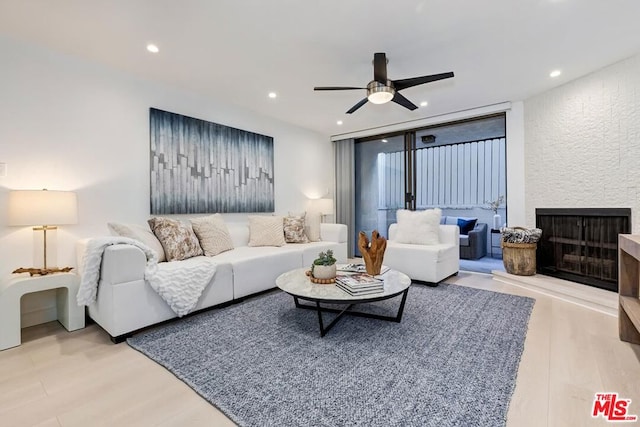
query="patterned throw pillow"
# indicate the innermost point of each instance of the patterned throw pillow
(294, 228)
(266, 231)
(140, 233)
(177, 238)
(213, 234)
(418, 227)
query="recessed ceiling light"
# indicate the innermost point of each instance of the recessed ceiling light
(424, 103)
(153, 48)
(555, 73)
(273, 95)
(339, 122)
(384, 140)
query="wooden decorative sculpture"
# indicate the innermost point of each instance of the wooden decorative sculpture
(373, 252)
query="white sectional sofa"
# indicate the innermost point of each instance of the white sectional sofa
(425, 263)
(126, 303)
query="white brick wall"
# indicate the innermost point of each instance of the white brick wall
(582, 143)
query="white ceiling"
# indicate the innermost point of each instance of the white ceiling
(239, 50)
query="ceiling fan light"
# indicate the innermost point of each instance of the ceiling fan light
(380, 97)
(378, 93)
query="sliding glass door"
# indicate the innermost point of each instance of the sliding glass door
(458, 167)
(380, 169)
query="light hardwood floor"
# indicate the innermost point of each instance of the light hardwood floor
(60, 378)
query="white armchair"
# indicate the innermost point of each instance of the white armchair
(425, 263)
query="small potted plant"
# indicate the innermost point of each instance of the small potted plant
(324, 267)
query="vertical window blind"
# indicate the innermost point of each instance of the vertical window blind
(447, 176)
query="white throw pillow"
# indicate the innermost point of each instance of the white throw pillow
(143, 234)
(266, 231)
(213, 234)
(312, 226)
(418, 227)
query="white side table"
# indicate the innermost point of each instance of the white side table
(70, 314)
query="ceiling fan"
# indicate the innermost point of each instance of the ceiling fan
(381, 89)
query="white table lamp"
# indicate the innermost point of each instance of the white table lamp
(43, 209)
(324, 206)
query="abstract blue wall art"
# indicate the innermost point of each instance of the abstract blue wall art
(204, 167)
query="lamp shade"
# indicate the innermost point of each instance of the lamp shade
(324, 206)
(42, 207)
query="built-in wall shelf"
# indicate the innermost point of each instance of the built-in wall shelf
(629, 288)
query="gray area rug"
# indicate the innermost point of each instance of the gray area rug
(451, 362)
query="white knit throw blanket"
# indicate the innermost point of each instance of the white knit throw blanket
(179, 283)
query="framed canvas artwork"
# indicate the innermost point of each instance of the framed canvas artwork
(204, 167)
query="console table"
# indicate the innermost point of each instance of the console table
(70, 314)
(628, 287)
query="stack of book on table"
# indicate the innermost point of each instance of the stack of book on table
(359, 268)
(359, 284)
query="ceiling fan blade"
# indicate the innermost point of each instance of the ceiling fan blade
(401, 100)
(380, 67)
(415, 81)
(358, 105)
(337, 88)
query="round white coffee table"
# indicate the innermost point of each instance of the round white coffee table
(297, 284)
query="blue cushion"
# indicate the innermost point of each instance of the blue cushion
(466, 225)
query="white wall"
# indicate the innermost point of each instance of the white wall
(583, 143)
(67, 124)
(516, 185)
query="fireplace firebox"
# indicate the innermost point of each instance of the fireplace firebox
(581, 245)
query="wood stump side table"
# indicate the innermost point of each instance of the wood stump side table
(70, 314)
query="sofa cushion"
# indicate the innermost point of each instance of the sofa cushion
(466, 225)
(464, 240)
(294, 229)
(178, 239)
(142, 234)
(256, 268)
(266, 231)
(430, 263)
(213, 234)
(418, 227)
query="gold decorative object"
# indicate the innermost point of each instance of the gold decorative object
(42, 271)
(372, 252)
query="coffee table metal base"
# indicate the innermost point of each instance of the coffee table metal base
(348, 310)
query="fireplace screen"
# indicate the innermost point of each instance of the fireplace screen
(581, 244)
